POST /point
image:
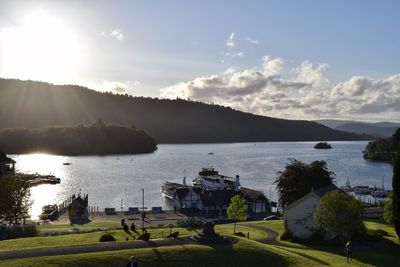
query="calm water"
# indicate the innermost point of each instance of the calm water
(108, 179)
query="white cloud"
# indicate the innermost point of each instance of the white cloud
(230, 43)
(234, 54)
(117, 34)
(119, 87)
(305, 94)
(253, 41)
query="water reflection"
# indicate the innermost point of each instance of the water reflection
(108, 179)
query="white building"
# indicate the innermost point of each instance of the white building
(299, 215)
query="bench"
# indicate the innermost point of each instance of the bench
(110, 211)
(132, 211)
(156, 209)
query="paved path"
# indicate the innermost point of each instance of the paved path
(108, 246)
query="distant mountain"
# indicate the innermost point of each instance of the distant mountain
(378, 129)
(33, 104)
(332, 123)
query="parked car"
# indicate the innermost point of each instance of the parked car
(272, 217)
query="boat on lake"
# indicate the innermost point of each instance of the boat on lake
(210, 194)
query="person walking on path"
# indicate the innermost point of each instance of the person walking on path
(132, 262)
(349, 251)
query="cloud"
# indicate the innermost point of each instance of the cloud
(305, 93)
(230, 43)
(253, 41)
(119, 87)
(234, 54)
(117, 34)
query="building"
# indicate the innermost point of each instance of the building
(299, 215)
(210, 195)
(78, 209)
(7, 165)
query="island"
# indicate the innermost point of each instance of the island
(322, 145)
(96, 139)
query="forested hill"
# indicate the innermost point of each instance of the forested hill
(95, 139)
(36, 104)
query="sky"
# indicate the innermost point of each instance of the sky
(286, 59)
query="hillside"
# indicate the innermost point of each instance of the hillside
(33, 104)
(364, 128)
(95, 139)
(378, 129)
(383, 149)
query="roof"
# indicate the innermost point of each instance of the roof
(217, 197)
(5, 159)
(252, 194)
(318, 193)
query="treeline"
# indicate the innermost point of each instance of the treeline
(95, 139)
(383, 149)
(33, 104)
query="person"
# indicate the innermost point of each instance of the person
(133, 227)
(349, 250)
(122, 222)
(132, 262)
(126, 228)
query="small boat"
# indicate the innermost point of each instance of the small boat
(67, 163)
(211, 153)
(379, 193)
(361, 190)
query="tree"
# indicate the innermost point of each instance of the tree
(298, 179)
(339, 214)
(14, 199)
(396, 192)
(237, 210)
(388, 209)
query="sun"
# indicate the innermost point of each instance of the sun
(42, 47)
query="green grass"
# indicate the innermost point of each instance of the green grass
(227, 229)
(110, 224)
(76, 239)
(243, 253)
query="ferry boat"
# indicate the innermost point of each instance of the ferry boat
(210, 194)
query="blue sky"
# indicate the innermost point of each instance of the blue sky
(344, 54)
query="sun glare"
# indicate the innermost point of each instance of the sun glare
(41, 48)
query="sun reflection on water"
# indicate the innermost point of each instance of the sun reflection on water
(42, 164)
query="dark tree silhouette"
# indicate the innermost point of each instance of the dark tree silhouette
(96, 139)
(298, 179)
(396, 192)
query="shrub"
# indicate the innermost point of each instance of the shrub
(144, 237)
(194, 222)
(174, 234)
(106, 237)
(17, 231)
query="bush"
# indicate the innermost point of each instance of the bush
(194, 222)
(106, 237)
(144, 237)
(241, 234)
(17, 231)
(174, 234)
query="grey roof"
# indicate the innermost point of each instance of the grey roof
(326, 189)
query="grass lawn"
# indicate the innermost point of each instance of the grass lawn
(110, 224)
(76, 239)
(385, 252)
(243, 253)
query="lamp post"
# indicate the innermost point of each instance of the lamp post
(143, 208)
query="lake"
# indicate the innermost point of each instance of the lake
(110, 179)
